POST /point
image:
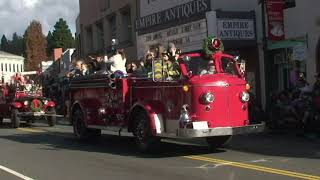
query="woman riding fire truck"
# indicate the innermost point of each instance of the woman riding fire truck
(209, 100)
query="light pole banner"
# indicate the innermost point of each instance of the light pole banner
(275, 20)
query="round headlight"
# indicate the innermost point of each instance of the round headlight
(208, 98)
(25, 103)
(245, 97)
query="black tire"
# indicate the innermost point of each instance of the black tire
(15, 120)
(144, 139)
(80, 130)
(218, 141)
(52, 120)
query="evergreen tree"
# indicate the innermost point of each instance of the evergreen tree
(24, 46)
(16, 45)
(4, 43)
(36, 46)
(62, 35)
(51, 43)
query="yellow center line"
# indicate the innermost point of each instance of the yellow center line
(33, 130)
(255, 167)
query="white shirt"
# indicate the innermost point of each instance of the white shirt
(117, 63)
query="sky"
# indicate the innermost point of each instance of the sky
(16, 15)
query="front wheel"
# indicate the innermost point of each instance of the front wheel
(52, 120)
(218, 141)
(15, 120)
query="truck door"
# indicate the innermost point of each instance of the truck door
(173, 98)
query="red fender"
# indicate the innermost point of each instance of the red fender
(89, 112)
(153, 108)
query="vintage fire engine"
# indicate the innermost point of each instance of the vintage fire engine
(24, 102)
(209, 101)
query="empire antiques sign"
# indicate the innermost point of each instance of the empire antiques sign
(236, 29)
(174, 15)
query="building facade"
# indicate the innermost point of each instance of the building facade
(100, 21)
(298, 52)
(300, 49)
(187, 22)
(10, 64)
(66, 61)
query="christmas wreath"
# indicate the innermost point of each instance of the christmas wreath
(211, 45)
(36, 105)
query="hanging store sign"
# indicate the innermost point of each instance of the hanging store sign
(299, 52)
(187, 37)
(174, 15)
(275, 19)
(236, 29)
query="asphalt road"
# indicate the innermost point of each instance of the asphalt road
(41, 152)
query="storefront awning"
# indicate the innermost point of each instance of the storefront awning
(284, 44)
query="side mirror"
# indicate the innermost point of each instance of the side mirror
(237, 58)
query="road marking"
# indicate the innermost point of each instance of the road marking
(15, 173)
(31, 130)
(255, 167)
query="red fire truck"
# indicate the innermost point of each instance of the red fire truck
(23, 101)
(210, 101)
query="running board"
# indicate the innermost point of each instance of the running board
(112, 130)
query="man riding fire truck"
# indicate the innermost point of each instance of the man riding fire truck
(209, 100)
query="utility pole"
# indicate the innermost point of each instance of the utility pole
(265, 50)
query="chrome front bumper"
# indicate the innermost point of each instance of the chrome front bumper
(37, 114)
(220, 131)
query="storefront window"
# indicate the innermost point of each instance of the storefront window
(288, 69)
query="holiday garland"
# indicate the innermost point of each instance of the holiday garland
(36, 105)
(211, 45)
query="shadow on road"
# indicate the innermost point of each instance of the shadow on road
(269, 144)
(281, 144)
(124, 146)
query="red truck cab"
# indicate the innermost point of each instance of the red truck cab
(209, 100)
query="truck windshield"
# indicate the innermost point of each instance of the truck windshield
(229, 66)
(201, 66)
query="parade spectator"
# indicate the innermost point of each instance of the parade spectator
(18, 79)
(117, 62)
(316, 86)
(99, 64)
(132, 67)
(84, 69)
(129, 68)
(302, 82)
(141, 69)
(148, 62)
(76, 71)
